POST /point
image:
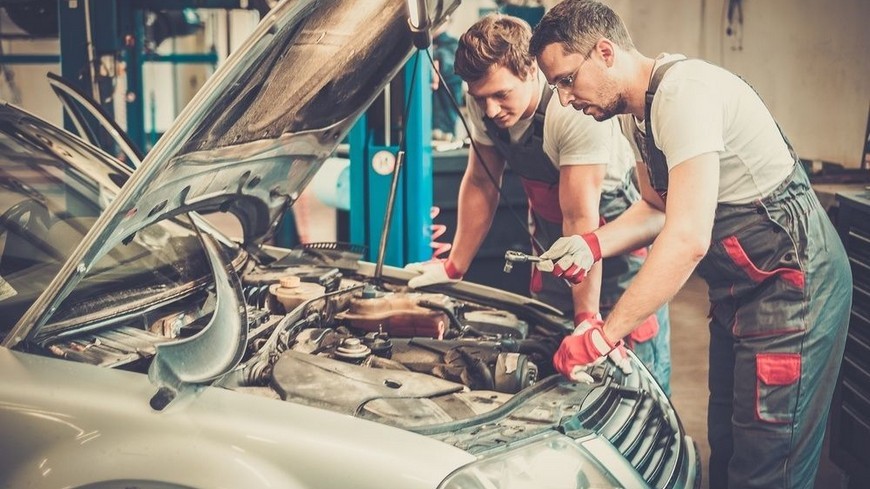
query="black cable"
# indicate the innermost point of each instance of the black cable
(522, 222)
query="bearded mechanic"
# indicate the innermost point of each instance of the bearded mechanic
(717, 170)
(575, 172)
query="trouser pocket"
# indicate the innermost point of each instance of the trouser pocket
(759, 269)
(647, 330)
(777, 376)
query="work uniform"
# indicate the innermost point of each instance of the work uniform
(777, 272)
(567, 137)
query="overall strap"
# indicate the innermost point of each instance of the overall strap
(526, 156)
(656, 164)
(540, 114)
(791, 149)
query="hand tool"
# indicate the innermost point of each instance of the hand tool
(511, 257)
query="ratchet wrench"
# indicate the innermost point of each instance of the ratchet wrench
(511, 257)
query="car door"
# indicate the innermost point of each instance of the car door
(93, 124)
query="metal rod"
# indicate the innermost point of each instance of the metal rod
(185, 58)
(388, 123)
(388, 215)
(89, 39)
(29, 59)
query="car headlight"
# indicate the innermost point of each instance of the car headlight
(552, 462)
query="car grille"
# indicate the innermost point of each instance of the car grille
(636, 425)
(631, 412)
(636, 418)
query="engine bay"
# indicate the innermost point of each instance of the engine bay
(329, 337)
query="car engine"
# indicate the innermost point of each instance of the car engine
(375, 349)
(324, 336)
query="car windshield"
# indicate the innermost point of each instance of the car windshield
(52, 189)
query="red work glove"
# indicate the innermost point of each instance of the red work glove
(585, 348)
(571, 257)
(582, 316)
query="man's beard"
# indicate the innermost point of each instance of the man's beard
(616, 106)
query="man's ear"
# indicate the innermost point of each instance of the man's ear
(532, 72)
(605, 48)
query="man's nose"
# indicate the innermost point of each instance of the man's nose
(565, 97)
(492, 108)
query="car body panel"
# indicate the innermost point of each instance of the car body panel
(90, 120)
(65, 436)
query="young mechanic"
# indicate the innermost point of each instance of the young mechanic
(575, 171)
(723, 191)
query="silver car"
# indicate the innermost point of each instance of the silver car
(143, 348)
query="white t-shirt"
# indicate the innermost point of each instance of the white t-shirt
(570, 138)
(701, 108)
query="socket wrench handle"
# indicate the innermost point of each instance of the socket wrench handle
(511, 257)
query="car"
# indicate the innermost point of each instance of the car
(144, 348)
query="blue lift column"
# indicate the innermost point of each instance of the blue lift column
(76, 20)
(131, 19)
(87, 31)
(372, 163)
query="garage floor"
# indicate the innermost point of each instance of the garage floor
(689, 343)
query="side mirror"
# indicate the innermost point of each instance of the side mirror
(419, 22)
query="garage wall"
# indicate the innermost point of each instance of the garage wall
(808, 59)
(167, 87)
(28, 88)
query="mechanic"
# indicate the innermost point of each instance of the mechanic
(717, 170)
(516, 121)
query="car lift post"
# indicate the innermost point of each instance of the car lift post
(373, 151)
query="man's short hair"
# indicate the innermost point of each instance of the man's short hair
(494, 40)
(578, 25)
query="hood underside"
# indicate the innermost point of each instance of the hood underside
(258, 130)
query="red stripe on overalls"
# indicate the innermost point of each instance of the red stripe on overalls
(741, 259)
(544, 202)
(544, 199)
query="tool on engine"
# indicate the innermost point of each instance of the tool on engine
(511, 257)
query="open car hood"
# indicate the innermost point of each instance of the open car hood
(258, 130)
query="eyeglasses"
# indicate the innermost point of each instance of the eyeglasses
(566, 83)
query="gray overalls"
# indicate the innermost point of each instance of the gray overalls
(780, 294)
(540, 179)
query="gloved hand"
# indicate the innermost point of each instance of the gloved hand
(620, 358)
(433, 272)
(618, 355)
(571, 257)
(585, 348)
